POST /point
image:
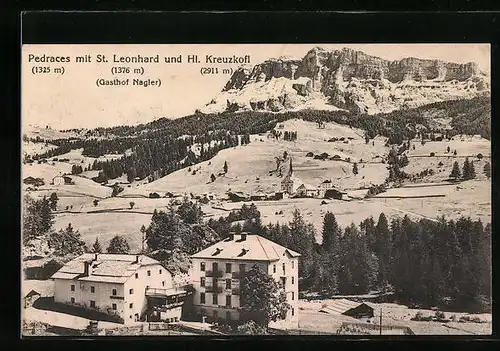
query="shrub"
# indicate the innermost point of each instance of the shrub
(440, 315)
(433, 154)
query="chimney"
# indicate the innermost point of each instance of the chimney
(95, 257)
(231, 236)
(243, 236)
(136, 259)
(86, 268)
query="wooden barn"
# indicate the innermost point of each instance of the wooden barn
(335, 194)
(363, 310)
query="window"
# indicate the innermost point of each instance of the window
(228, 267)
(72, 288)
(293, 280)
(136, 275)
(274, 268)
(92, 304)
(293, 264)
(114, 306)
(130, 316)
(214, 299)
(159, 272)
(114, 292)
(92, 289)
(202, 298)
(216, 315)
(283, 268)
(131, 305)
(215, 266)
(163, 283)
(228, 316)
(228, 300)
(149, 273)
(131, 291)
(242, 267)
(72, 300)
(293, 295)
(293, 311)
(202, 266)
(202, 281)
(228, 283)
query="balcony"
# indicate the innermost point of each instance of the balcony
(238, 275)
(115, 297)
(213, 289)
(214, 274)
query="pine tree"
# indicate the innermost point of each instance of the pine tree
(96, 248)
(383, 250)
(487, 170)
(53, 201)
(455, 172)
(472, 170)
(331, 233)
(118, 245)
(466, 170)
(355, 169)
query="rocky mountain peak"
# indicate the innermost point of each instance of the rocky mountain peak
(348, 79)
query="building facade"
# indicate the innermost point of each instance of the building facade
(218, 271)
(119, 285)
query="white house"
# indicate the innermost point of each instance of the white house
(217, 272)
(123, 285)
(307, 190)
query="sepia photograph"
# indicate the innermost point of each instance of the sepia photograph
(256, 189)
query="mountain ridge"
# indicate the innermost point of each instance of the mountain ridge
(347, 79)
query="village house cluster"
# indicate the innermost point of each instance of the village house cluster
(138, 288)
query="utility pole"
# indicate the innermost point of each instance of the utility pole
(381, 321)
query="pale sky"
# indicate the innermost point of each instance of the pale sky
(73, 100)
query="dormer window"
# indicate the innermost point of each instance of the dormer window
(217, 251)
(243, 252)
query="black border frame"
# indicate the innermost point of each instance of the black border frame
(254, 27)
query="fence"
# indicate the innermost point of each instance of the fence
(375, 329)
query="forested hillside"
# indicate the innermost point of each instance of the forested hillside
(164, 146)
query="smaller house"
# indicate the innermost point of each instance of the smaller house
(326, 184)
(337, 194)
(237, 196)
(350, 308)
(307, 190)
(363, 310)
(35, 289)
(258, 196)
(33, 181)
(30, 298)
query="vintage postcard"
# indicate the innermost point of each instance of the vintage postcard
(297, 189)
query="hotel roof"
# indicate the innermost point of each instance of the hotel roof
(246, 247)
(109, 268)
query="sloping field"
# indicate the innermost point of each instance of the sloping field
(249, 165)
(442, 163)
(36, 148)
(82, 187)
(105, 226)
(470, 198)
(392, 315)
